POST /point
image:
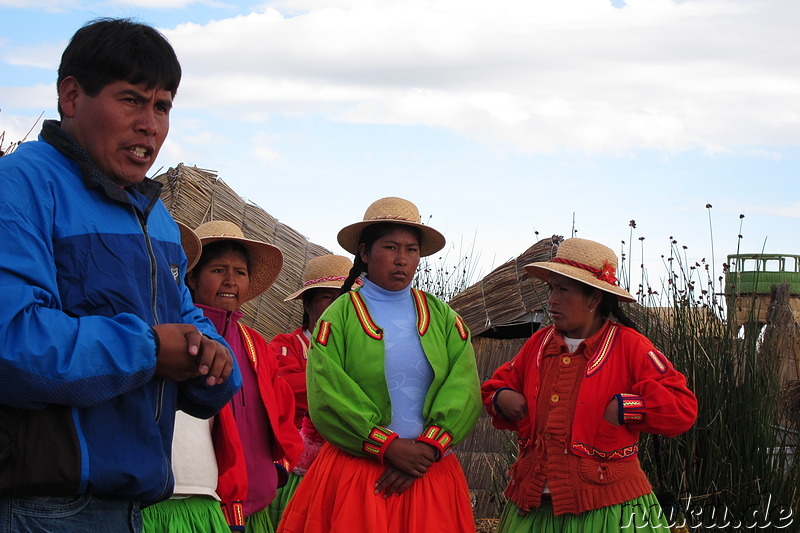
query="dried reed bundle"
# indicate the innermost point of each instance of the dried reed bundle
(195, 195)
(508, 295)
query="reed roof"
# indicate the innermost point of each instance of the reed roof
(195, 196)
(507, 296)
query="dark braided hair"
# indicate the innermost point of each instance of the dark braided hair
(369, 235)
(307, 297)
(609, 306)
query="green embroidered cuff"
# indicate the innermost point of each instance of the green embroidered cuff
(377, 442)
(438, 438)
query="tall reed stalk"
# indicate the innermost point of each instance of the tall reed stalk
(734, 470)
(445, 277)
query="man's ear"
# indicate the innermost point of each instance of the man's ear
(191, 280)
(69, 90)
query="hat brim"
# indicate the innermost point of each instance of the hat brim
(432, 240)
(266, 262)
(191, 244)
(330, 284)
(543, 269)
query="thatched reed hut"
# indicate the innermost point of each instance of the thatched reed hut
(194, 196)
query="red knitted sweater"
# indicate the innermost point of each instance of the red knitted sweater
(587, 462)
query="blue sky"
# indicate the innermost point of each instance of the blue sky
(499, 120)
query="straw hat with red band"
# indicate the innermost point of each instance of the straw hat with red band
(396, 211)
(265, 259)
(323, 272)
(191, 245)
(585, 261)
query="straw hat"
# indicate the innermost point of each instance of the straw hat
(585, 261)
(396, 211)
(266, 260)
(191, 245)
(323, 272)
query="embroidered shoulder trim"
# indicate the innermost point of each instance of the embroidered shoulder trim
(423, 313)
(369, 326)
(323, 333)
(584, 449)
(463, 332)
(249, 345)
(659, 361)
(600, 357)
(545, 339)
(303, 343)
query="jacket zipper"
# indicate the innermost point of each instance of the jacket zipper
(153, 298)
(224, 334)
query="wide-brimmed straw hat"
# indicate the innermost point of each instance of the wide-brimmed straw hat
(396, 211)
(585, 261)
(191, 245)
(265, 259)
(323, 272)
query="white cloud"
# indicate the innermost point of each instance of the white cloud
(531, 74)
(46, 55)
(52, 6)
(789, 211)
(261, 149)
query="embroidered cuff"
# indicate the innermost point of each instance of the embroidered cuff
(492, 408)
(377, 442)
(234, 514)
(438, 438)
(282, 466)
(631, 407)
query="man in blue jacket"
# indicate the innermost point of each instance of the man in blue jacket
(99, 340)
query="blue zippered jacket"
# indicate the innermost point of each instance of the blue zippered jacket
(86, 268)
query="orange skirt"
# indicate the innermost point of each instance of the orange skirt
(337, 495)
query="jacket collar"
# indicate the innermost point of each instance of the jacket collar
(596, 348)
(221, 318)
(54, 135)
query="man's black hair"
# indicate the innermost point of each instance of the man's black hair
(106, 50)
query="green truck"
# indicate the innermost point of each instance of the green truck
(749, 279)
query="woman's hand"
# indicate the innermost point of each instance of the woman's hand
(612, 412)
(393, 481)
(511, 404)
(409, 456)
(407, 460)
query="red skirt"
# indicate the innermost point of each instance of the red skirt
(337, 495)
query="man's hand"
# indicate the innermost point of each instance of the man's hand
(185, 353)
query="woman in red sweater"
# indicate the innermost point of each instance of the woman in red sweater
(322, 281)
(578, 393)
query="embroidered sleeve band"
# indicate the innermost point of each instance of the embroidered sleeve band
(631, 407)
(438, 438)
(377, 442)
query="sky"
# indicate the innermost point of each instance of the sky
(504, 122)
